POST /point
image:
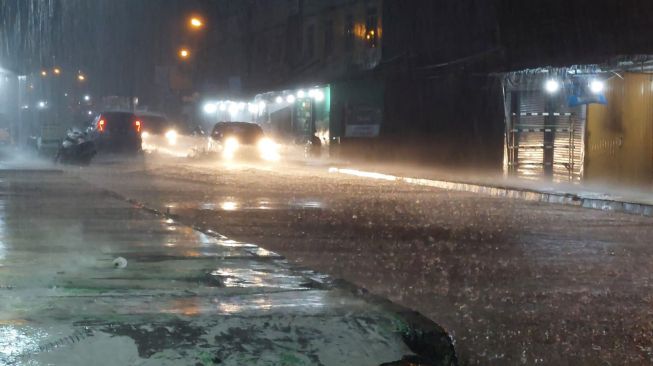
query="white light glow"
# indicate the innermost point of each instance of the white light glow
(233, 108)
(319, 96)
(261, 106)
(290, 98)
(252, 108)
(269, 149)
(42, 104)
(87, 98)
(279, 100)
(301, 94)
(552, 86)
(241, 106)
(231, 143)
(210, 108)
(597, 86)
(229, 205)
(171, 136)
(222, 107)
(363, 174)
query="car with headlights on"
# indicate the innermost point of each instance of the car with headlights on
(242, 141)
(163, 135)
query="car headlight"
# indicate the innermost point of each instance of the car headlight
(230, 146)
(171, 136)
(269, 149)
(145, 134)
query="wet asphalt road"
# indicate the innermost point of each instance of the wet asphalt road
(179, 297)
(514, 282)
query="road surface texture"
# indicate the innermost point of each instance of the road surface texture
(87, 278)
(514, 282)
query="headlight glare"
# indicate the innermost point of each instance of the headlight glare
(171, 136)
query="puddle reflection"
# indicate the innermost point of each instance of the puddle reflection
(229, 205)
(262, 203)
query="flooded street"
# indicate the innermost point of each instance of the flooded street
(513, 282)
(87, 277)
(326, 182)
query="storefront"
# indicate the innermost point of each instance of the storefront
(296, 115)
(585, 123)
(545, 122)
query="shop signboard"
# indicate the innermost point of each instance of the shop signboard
(363, 121)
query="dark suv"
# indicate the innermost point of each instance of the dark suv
(116, 132)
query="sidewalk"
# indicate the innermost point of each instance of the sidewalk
(183, 297)
(634, 201)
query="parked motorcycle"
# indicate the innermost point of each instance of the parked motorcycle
(76, 148)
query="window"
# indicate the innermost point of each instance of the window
(371, 27)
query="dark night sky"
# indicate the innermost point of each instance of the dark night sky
(119, 41)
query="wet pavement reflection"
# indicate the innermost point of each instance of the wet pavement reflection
(514, 282)
(182, 297)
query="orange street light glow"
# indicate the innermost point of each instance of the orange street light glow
(184, 53)
(196, 22)
(56, 71)
(81, 77)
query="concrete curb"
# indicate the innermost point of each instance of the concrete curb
(571, 199)
(432, 344)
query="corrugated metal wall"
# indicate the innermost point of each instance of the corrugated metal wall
(620, 134)
(544, 136)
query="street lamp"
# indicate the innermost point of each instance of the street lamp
(81, 77)
(56, 71)
(210, 108)
(44, 73)
(552, 86)
(597, 86)
(196, 23)
(184, 53)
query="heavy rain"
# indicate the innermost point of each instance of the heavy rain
(326, 182)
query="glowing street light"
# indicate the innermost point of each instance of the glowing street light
(44, 73)
(196, 23)
(81, 77)
(184, 53)
(552, 86)
(56, 71)
(87, 98)
(210, 108)
(597, 86)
